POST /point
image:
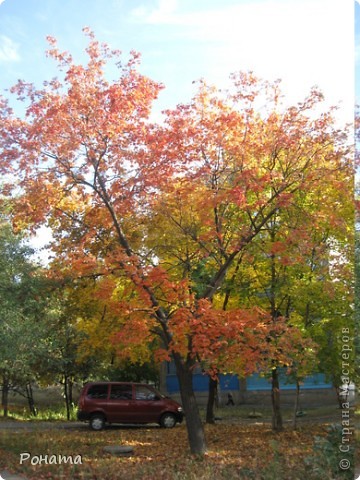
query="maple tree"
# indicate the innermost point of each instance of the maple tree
(149, 208)
(300, 271)
(304, 224)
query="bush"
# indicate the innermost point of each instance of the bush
(327, 459)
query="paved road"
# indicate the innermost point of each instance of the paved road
(5, 475)
(73, 425)
(39, 425)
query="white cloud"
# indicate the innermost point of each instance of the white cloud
(164, 13)
(8, 50)
(303, 42)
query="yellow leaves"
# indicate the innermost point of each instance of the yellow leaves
(171, 208)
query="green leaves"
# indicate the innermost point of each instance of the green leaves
(23, 301)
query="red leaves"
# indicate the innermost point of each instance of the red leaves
(171, 209)
(239, 196)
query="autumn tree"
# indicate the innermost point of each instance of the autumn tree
(89, 310)
(299, 270)
(89, 163)
(357, 245)
(309, 229)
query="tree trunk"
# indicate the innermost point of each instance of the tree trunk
(70, 391)
(194, 425)
(30, 399)
(243, 389)
(342, 395)
(66, 394)
(210, 415)
(5, 396)
(162, 378)
(277, 424)
(296, 408)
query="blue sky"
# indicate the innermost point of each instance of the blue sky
(303, 42)
(357, 52)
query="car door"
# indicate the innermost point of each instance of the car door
(147, 406)
(119, 403)
(96, 398)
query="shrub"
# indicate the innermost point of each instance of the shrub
(327, 458)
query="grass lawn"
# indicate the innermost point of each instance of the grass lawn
(235, 451)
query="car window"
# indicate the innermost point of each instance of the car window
(121, 392)
(97, 391)
(144, 393)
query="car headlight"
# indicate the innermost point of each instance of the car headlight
(179, 409)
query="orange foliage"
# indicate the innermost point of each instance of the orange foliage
(148, 204)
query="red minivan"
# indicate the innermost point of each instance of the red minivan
(121, 402)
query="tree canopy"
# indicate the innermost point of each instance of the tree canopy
(160, 215)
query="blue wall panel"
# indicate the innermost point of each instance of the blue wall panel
(253, 382)
(229, 382)
(200, 383)
(257, 382)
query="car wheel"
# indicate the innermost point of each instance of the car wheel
(97, 422)
(168, 420)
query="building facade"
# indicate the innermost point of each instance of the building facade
(254, 389)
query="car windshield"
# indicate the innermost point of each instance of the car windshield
(158, 394)
(146, 392)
